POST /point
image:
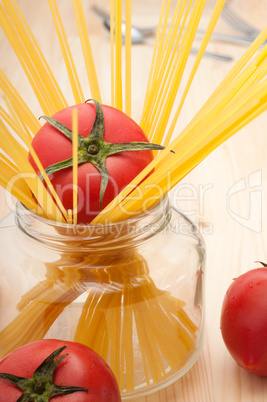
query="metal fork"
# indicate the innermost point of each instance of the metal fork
(139, 35)
(239, 23)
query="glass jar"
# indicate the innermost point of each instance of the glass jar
(132, 291)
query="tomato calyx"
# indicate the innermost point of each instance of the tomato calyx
(40, 387)
(94, 149)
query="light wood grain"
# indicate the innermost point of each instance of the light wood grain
(234, 224)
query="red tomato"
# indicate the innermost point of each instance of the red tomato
(82, 367)
(244, 321)
(52, 146)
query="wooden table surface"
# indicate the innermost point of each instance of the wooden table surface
(226, 195)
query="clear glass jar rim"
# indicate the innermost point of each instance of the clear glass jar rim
(132, 230)
(20, 206)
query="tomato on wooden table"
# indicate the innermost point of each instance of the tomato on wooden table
(244, 320)
(81, 367)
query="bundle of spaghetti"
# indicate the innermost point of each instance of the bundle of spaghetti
(159, 42)
(47, 93)
(239, 99)
(19, 174)
(165, 51)
(171, 61)
(34, 63)
(118, 287)
(31, 58)
(23, 113)
(19, 164)
(19, 189)
(129, 298)
(18, 177)
(66, 52)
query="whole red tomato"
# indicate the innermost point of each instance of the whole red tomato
(104, 168)
(81, 367)
(244, 321)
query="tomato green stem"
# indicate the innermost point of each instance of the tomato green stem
(94, 149)
(40, 387)
(59, 126)
(262, 263)
(97, 132)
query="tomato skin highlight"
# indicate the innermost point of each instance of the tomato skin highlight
(52, 146)
(81, 367)
(244, 321)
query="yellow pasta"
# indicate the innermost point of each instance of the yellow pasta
(128, 59)
(14, 183)
(67, 55)
(118, 55)
(75, 163)
(87, 51)
(22, 110)
(31, 58)
(216, 13)
(235, 96)
(19, 158)
(52, 204)
(166, 65)
(156, 59)
(112, 52)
